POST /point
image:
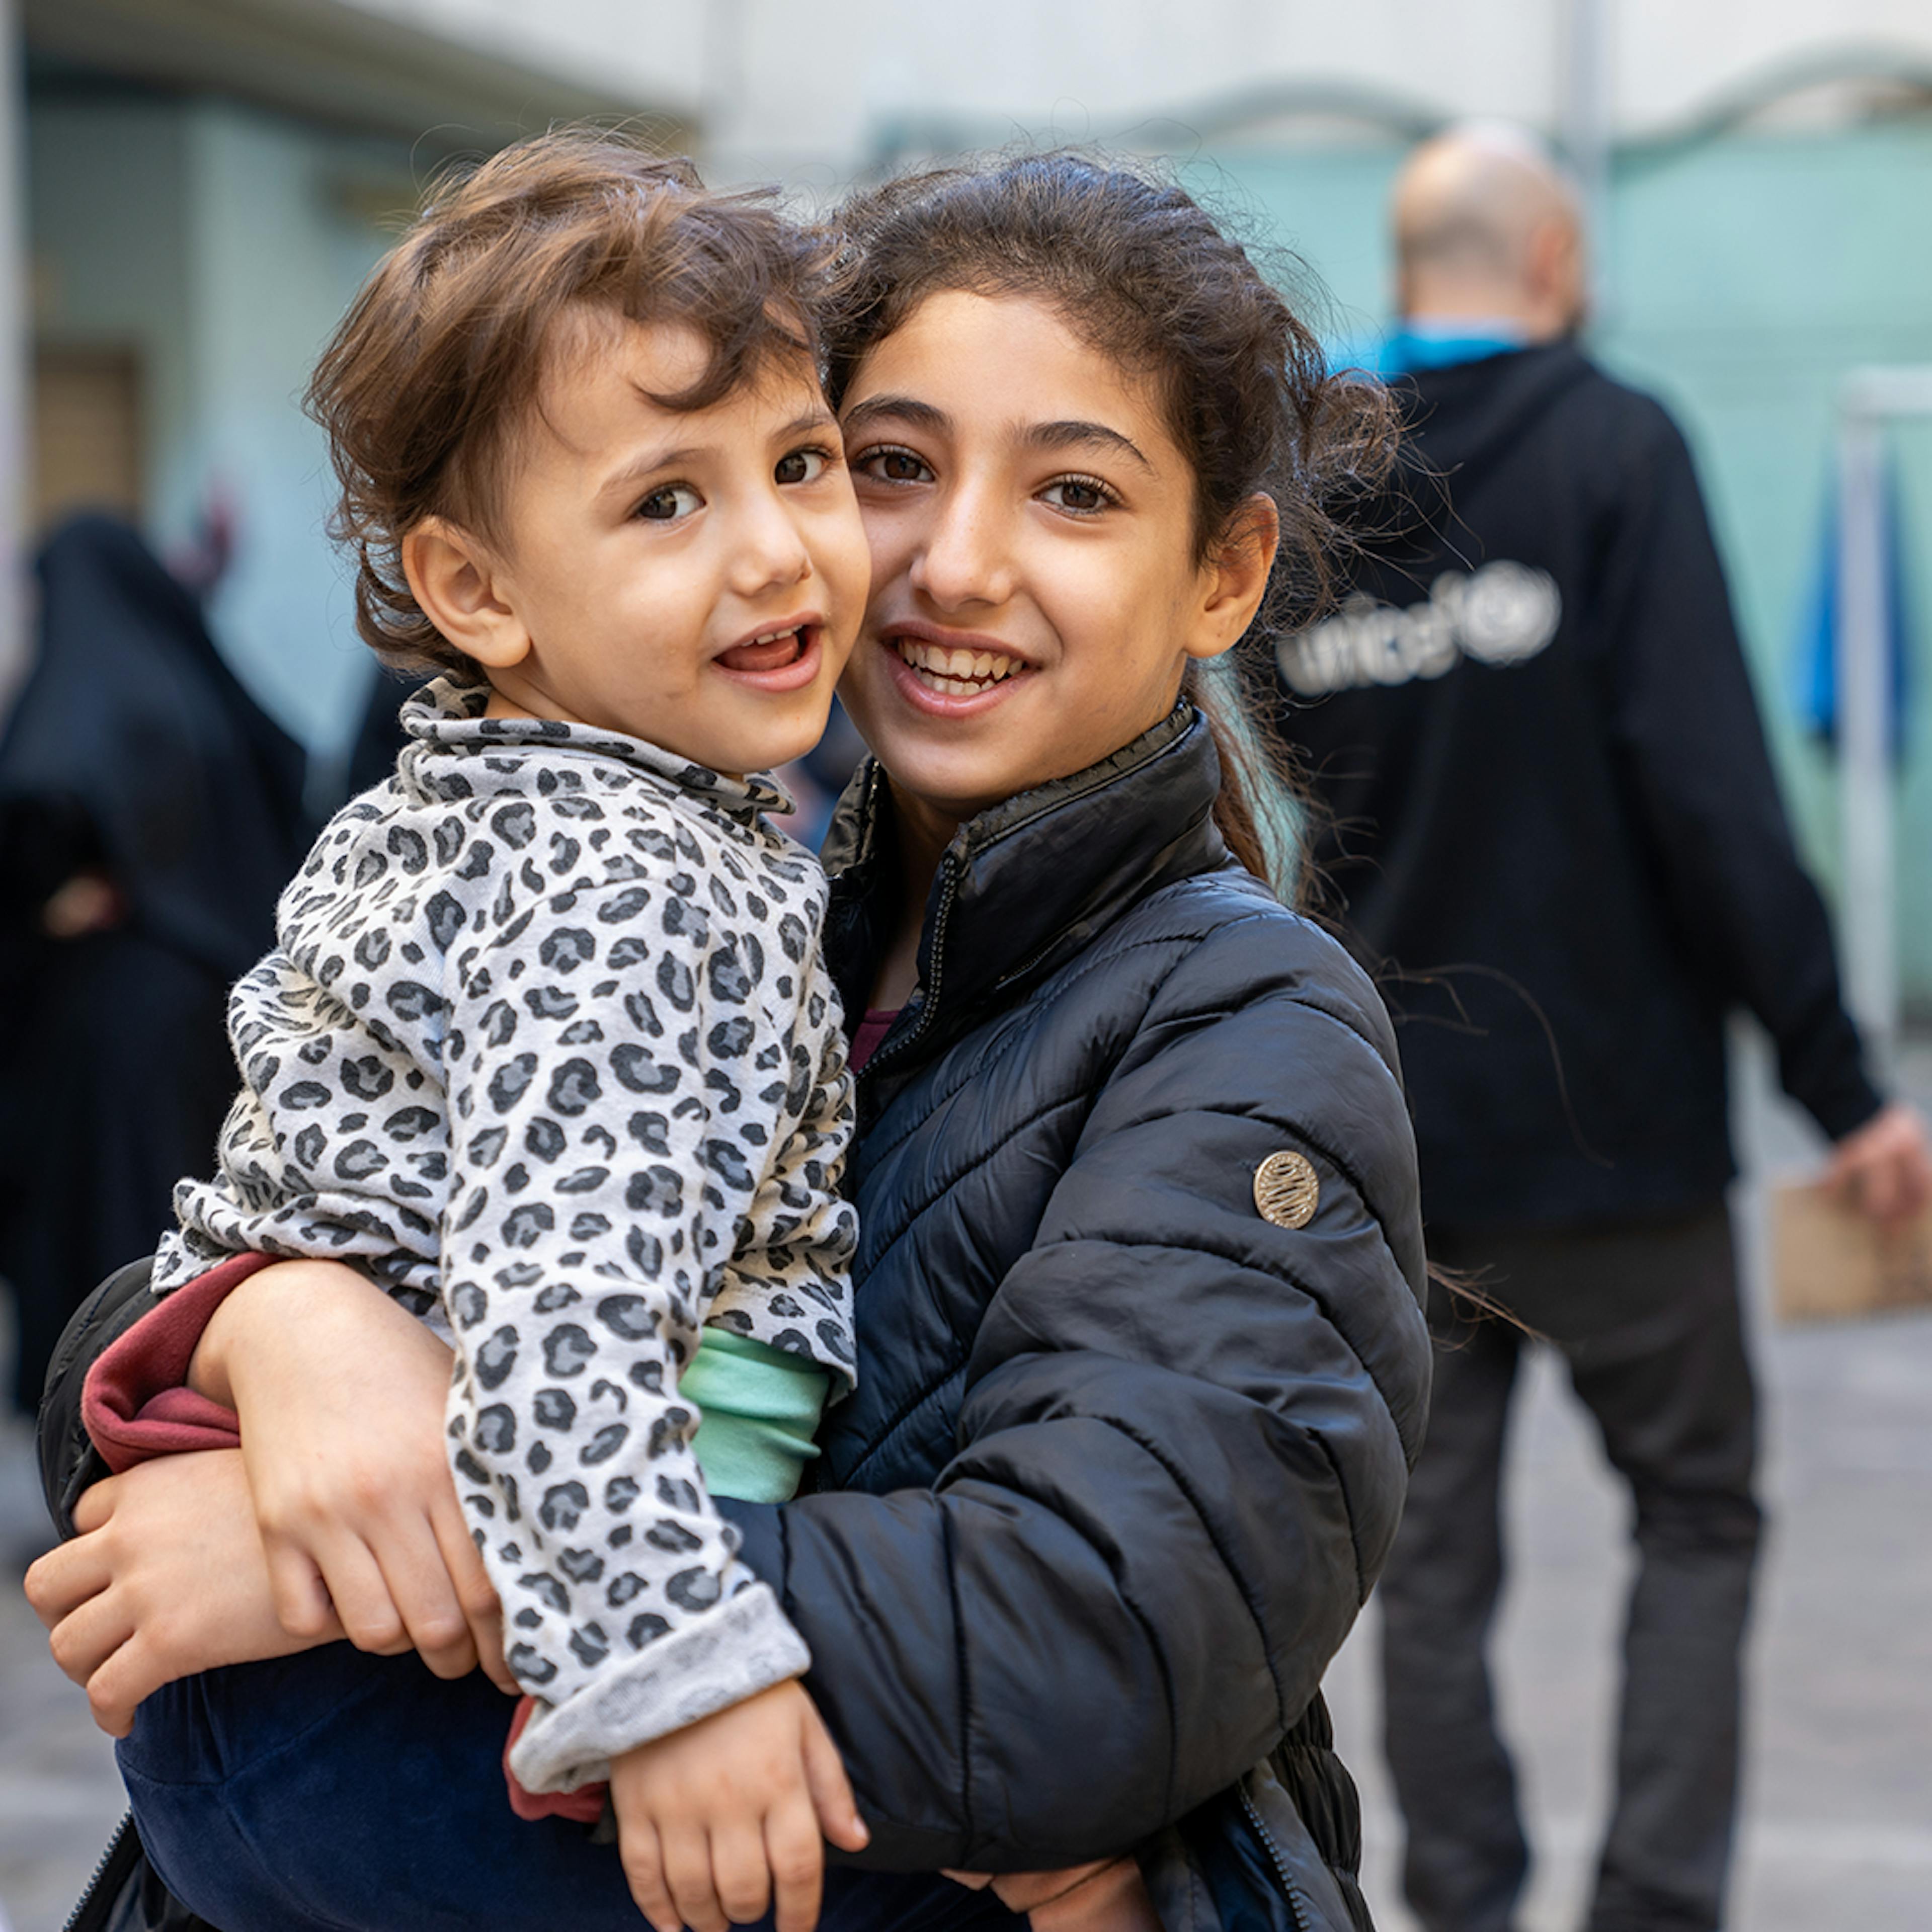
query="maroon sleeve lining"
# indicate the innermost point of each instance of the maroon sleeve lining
(135, 1402)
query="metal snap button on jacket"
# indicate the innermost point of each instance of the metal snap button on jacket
(1286, 1190)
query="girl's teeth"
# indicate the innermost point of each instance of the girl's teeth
(956, 672)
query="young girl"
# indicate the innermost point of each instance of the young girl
(546, 1045)
(1139, 1252)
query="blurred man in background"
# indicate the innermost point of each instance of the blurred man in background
(1556, 833)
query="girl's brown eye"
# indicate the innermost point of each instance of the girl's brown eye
(1078, 494)
(895, 466)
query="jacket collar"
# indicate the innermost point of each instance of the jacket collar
(1026, 885)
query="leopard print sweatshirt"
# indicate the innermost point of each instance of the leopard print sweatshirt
(548, 1047)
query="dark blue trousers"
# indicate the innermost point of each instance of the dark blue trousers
(337, 1793)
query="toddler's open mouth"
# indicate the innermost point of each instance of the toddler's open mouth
(770, 650)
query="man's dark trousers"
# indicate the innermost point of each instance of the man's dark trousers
(1647, 1318)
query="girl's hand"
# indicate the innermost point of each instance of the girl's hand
(340, 1393)
(167, 1578)
(1109, 1895)
(714, 1820)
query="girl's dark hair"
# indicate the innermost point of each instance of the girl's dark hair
(1143, 273)
(438, 365)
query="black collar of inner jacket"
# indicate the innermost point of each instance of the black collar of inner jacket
(1026, 885)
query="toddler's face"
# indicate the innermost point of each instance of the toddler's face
(693, 578)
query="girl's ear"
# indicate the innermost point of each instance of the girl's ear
(464, 591)
(1234, 578)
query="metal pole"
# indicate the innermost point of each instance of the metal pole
(16, 359)
(1585, 115)
(1864, 749)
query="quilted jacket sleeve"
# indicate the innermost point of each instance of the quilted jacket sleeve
(1182, 1453)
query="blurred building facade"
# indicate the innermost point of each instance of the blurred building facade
(205, 181)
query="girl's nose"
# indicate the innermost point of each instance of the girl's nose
(965, 558)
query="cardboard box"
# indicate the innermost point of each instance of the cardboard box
(1829, 1263)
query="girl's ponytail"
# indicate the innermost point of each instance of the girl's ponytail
(1262, 811)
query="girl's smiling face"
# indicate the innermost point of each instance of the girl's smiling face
(1035, 593)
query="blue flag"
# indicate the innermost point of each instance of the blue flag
(1815, 683)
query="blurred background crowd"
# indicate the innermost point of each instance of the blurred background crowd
(190, 192)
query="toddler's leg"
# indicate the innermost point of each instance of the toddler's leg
(336, 1791)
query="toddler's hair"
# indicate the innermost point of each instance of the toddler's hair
(1145, 275)
(434, 371)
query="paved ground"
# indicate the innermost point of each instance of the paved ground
(1838, 1830)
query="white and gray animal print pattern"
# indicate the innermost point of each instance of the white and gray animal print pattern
(547, 1046)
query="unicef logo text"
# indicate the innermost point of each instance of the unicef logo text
(1502, 614)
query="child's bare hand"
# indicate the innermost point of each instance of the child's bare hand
(340, 1392)
(717, 1819)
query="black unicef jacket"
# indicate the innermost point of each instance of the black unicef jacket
(1126, 1457)
(1556, 830)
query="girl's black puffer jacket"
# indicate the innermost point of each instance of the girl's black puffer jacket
(1125, 1457)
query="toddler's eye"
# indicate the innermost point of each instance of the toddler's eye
(801, 465)
(890, 465)
(669, 505)
(1082, 495)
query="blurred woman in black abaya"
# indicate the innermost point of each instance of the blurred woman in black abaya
(150, 812)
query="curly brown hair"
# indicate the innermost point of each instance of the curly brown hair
(440, 360)
(1143, 273)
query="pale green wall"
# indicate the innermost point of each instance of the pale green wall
(1745, 276)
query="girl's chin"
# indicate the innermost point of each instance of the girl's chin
(951, 775)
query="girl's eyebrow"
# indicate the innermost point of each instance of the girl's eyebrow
(902, 408)
(1074, 435)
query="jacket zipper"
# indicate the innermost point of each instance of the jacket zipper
(123, 1832)
(1297, 1904)
(931, 1000)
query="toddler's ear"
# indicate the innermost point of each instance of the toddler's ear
(462, 589)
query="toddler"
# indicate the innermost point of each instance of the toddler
(546, 1045)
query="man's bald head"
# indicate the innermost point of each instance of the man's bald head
(1486, 225)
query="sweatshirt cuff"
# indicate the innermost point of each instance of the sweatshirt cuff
(1845, 1107)
(734, 1650)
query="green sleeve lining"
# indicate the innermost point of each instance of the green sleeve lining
(758, 1409)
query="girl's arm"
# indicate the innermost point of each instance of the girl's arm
(1182, 1451)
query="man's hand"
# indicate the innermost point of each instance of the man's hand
(166, 1579)
(340, 1392)
(715, 1819)
(1884, 1169)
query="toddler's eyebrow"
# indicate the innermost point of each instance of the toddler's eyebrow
(655, 463)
